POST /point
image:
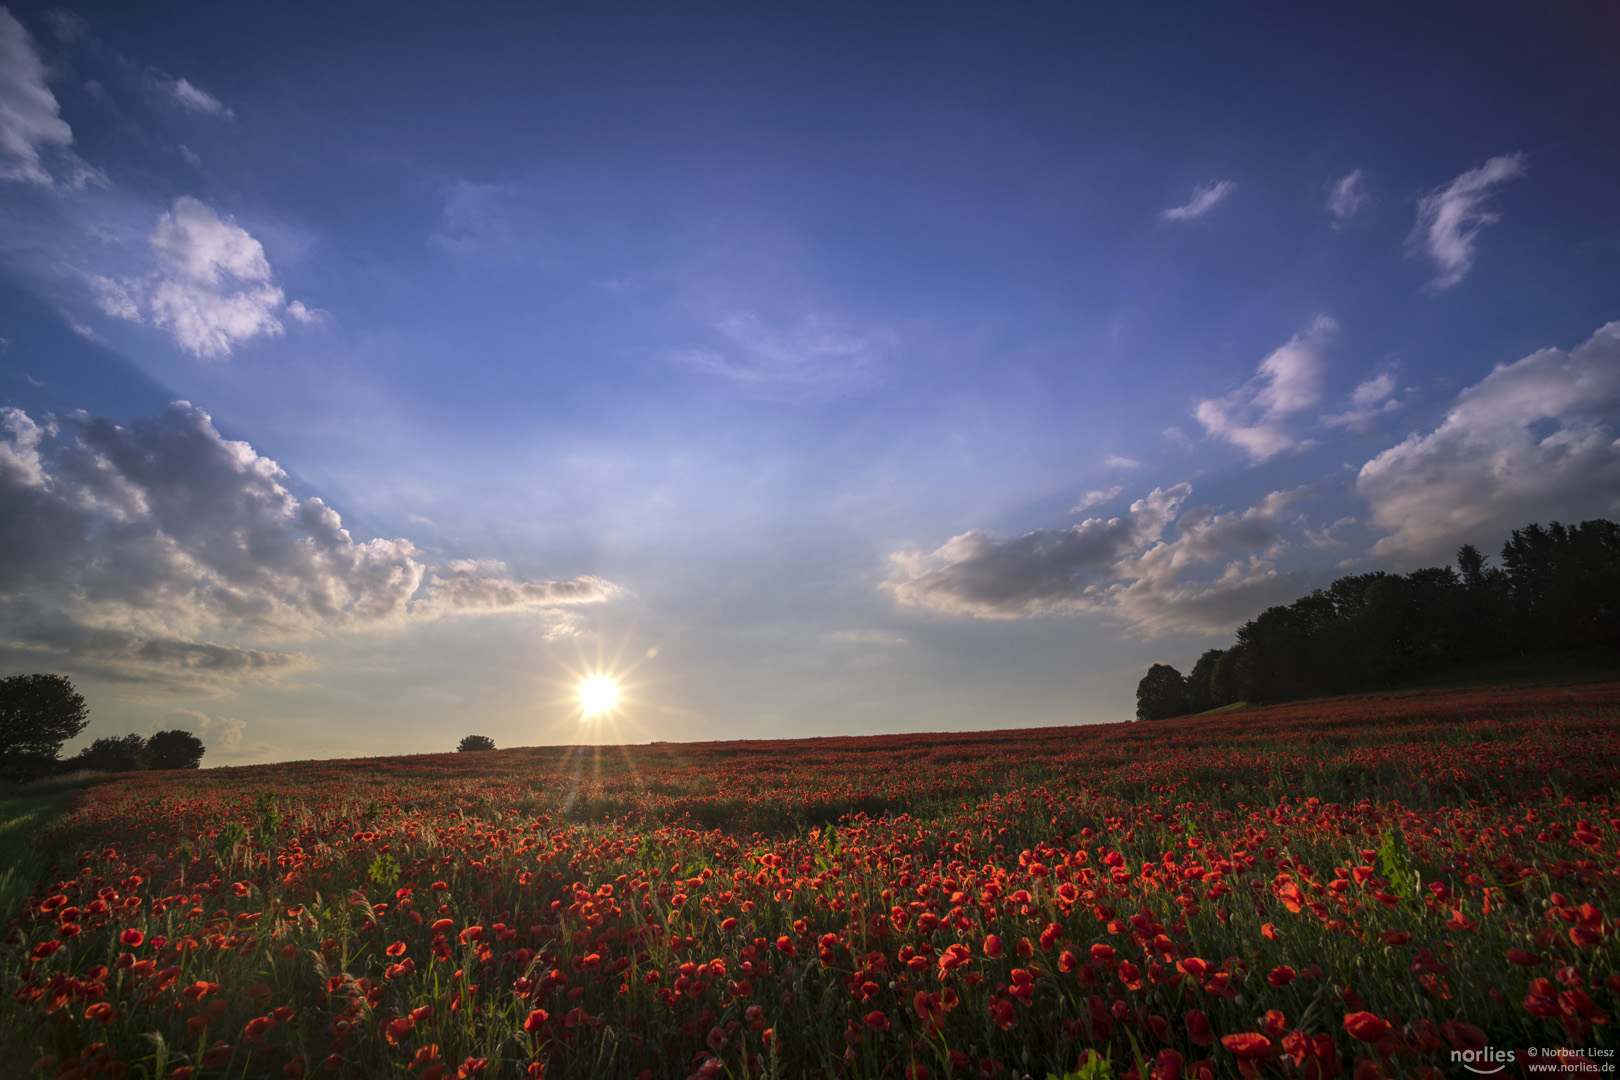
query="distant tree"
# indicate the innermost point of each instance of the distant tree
(1200, 683)
(1226, 681)
(1565, 585)
(123, 753)
(38, 713)
(476, 742)
(174, 750)
(1161, 694)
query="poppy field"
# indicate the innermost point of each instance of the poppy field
(1404, 885)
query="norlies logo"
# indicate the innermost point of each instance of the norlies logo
(1487, 1061)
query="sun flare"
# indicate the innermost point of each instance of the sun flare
(598, 694)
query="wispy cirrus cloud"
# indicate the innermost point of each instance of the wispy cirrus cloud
(817, 358)
(1256, 416)
(1204, 199)
(1449, 219)
(1096, 498)
(193, 98)
(1371, 399)
(1347, 197)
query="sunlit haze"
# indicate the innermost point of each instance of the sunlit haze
(598, 694)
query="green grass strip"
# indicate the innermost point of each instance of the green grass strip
(26, 814)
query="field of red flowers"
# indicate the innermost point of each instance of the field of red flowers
(1367, 887)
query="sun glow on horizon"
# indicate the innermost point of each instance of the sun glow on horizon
(598, 694)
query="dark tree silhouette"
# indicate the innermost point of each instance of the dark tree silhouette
(1556, 591)
(38, 713)
(123, 753)
(174, 750)
(1161, 694)
(1201, 682)
(476, 742)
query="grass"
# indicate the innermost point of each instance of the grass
(26, 814)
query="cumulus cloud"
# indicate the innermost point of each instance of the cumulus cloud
(212, 287)
(1346, 197)
(1254, 417)
(1371, 399)
(1449, 218)
(816, 359)
(1039, 573)
(165, 551)
(1532, 440)
(30, 123)
(194, 99)
(1205, 198)
(224, 733)
(1157, 590)
(1125, 567)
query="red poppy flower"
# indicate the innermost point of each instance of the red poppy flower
(1248, 1045)
(1365, 1026)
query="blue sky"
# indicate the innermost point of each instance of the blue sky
(371, 377)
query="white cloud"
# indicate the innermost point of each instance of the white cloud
(307, 316)
(1534, 439)
(1040, 573)
(194, 99)
(1096, 498)
(817, 359)
(1122, 567)
(1255, 416)
(212, 288)
(1449, 218)
(1368, 401)
(30, 123)
(1158, 592)
(1205, 198)
(1346, 197)
(1114, 461)
(165, 551)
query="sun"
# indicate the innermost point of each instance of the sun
(598, 694)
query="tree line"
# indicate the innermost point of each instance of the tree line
(38, 713)
(1556, 590)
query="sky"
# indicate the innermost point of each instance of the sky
(372, 376)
